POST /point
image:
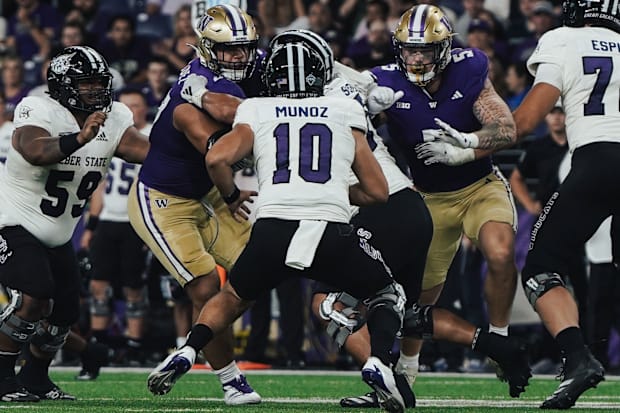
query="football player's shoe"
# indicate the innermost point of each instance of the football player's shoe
(370, 400)
(55, 393)
(513, 366)
(238, 391)
(380, 377)
(93, 358)
(12, 391)
(161, 380)
(577, 377)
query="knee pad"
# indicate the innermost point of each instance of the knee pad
(136, 309)
(101, 308)
(50, 338)
(343, 322)
(418, 322)
(538, 285)
(393, 296)
(15, 327)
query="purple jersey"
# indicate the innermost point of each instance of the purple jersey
(461, 84)
(173, 165)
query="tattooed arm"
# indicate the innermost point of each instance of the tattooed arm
(498, 127)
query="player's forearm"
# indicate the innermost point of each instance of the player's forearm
(222, 107)
(498, 127)
(221, 174)
(48, 150)
(497, 135)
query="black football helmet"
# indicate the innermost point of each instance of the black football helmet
(578, 13)
(73, 66)
(294, 70)
(310, 39)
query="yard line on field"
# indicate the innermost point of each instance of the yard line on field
(420, 402)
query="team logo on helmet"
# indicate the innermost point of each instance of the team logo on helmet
(61, 64)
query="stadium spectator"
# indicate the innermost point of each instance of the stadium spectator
(156, 86)
(14, 88)
(177, 51)
(374, 49)
(32, 29)
(6, 130)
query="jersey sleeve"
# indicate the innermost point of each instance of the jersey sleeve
(246, 113)
(356, 117)
(123, 119)
(32, 111)
(551, 49)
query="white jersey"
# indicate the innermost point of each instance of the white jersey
(119, 179)
(396, 179)
(6, 133)
(584, 63)
(303, 149)
(48, 200)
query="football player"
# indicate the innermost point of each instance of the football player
(118, 254)
(403, 215)
(579, 63)
(173, 205)
(303, 213)
(61, 148)
(446, 90)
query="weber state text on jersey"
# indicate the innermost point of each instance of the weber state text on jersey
(48, 200)
(590, 62)
(303, 150)
(173, 165)
(461, 84)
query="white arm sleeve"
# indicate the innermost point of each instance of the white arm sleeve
(549, 73)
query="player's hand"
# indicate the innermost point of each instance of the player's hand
(450, 135)
(193, 89)
(86, 239)
(445, 153)
(381, 98)
(239, 209)
(91, 127)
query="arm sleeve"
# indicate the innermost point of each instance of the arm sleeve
(356, 117)
(246, 113)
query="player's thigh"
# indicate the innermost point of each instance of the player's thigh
(225, 236)
(446, 212)
(171, 227)
(24, 263)
(66, 296)
(132, 257)
(105, 252)
(492, 201)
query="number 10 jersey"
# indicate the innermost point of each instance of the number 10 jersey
(303, 149)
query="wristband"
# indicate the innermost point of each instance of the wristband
(236, 193)
(92, 222)
(69, 143)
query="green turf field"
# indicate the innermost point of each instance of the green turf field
(305, 392)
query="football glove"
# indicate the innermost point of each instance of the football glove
(450, 135)
(445, 153)
(194, 88)
(381, 98)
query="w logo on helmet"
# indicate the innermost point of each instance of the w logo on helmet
(204, 22)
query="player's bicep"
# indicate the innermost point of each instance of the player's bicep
(26, 139)
(197, 125)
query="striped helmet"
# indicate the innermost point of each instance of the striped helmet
(424, 29)
(75, 65)
(294, 70)
(227, 28)
(310, 39)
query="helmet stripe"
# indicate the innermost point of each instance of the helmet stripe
(418, 22)
(92, 57)
(291, 69)
(301, 69)
(236, 20)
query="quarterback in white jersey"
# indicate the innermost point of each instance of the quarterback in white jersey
(578, 63)
(61, 149)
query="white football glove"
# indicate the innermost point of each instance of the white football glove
(381, 98)
(450, 135)
(445, 153)
(194, 88)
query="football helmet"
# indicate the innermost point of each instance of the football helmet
(75, 65)
(578, 13)
(310, 39)
(426, 30)
(294, 70)
(227, 28)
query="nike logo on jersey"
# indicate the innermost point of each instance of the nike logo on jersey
(403, 105)
(457, 95)
(4, 250)
(161, 203)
